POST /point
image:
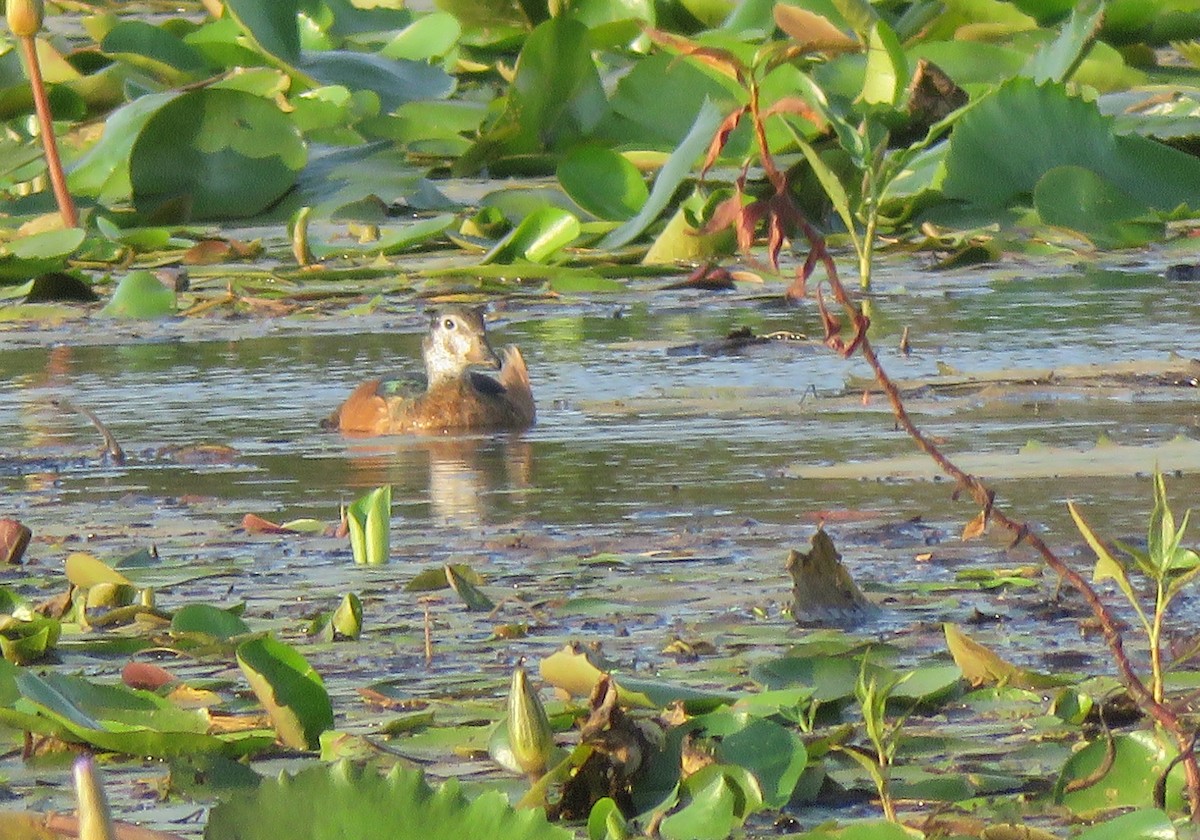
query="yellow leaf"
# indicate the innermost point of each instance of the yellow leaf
(980, 665)
(813, 32)
(85, 571)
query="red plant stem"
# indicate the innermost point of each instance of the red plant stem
(1163, 714)
(66, 206)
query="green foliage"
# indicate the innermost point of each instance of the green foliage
(1166, 563)
(369, 521)
(141, 295)
(292, 693)
(324, 803)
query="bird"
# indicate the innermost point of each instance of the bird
(453, 397)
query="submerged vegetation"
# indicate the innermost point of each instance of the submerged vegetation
(641, 137)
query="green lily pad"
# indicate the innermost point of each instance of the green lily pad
(1005, 144)
(539, 236)
(1138, 759)
(323, 803)
(1077, 198)
(205, 620)
(221, 153)
(140, 295)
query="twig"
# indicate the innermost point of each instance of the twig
(111, 448)
(984, 496)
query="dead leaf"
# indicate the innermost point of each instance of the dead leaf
(976, 527)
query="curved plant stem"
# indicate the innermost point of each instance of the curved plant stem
(1149, 701)
(66, 206)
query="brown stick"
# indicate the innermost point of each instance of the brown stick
(41, 104)
(984, 496)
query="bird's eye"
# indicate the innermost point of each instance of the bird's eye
(448, 323)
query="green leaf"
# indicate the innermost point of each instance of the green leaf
(603, 182)
(50, 244)
(322, 803)
(223, 153)
(1108, 568)
(392, 240)
(1057, 60)
(140, 295)
(1078, 199)
(207, 620)
(677, 168)
(775, 755)
(103, 172)
(606, 822)
(272, 26)
(1003, 145)
(539, 236)
(886, 79)
(111, 717)
(153, 48)
(717, 800)
(1143, 824)
(292, 693)
(395, 81)
(472, 596)
(1128, 780)
(427, 37)
(347, 619)
(369, 519)
(555, 97)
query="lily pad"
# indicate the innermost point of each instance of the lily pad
(220, 153)
(326, 803)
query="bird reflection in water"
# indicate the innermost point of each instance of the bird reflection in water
(465, 480)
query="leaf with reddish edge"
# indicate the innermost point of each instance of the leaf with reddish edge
(721, 138)
(796, 107)
(812, 31)
(724, 215)
(720, 60)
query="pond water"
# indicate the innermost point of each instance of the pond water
(670, 465)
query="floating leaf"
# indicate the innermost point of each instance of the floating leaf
(292, 693)
(437, 577)
(205, 620)
(472, 596)
(1003, 145)
(273, 25)
(1102, 776)
(85, 571)
(1078, 199)
(141, 295)
(539, 236)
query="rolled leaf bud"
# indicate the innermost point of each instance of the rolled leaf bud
(95, 820)
(24, 17)
(529, 734)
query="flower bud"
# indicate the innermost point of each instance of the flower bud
(95, 820)
(529, 735)
(24, 17)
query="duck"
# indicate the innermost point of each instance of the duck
(453, 396)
